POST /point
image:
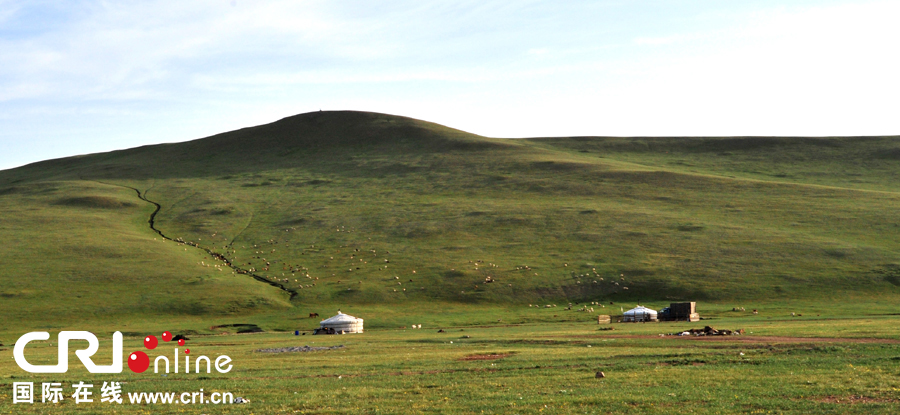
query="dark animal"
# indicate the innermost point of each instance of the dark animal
(311, 315)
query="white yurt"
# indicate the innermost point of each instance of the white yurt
(638, 314)
(341, 324)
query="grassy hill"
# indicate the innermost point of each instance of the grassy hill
(363, 208)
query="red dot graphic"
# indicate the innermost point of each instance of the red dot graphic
(138, 362)
(181, 342)
(186, 351)
(150, 342)
(166, 336)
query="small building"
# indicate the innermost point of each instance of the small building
(639, 314)
(340, 324)
(680, 312)
(603, 319)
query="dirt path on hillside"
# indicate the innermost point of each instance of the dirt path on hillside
(215, 255)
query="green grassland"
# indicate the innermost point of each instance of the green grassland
(529, 368)
(401, 222)
(360, 208)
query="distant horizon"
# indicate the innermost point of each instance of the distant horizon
(85, 77)
(450, 126)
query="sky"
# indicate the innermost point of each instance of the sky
(81, 77)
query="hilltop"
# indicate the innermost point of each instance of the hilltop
(286, 143)
(352, 207)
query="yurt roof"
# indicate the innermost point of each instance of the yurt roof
(640, 310)
(341, 318)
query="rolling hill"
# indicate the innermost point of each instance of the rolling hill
(352, 207)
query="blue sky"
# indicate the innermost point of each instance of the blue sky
(87, 76)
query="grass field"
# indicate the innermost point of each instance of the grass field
(824, 364)
(401, 222)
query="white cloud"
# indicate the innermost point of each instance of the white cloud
(667, 40)
(490, 67)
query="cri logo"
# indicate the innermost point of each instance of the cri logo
(138, 361)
